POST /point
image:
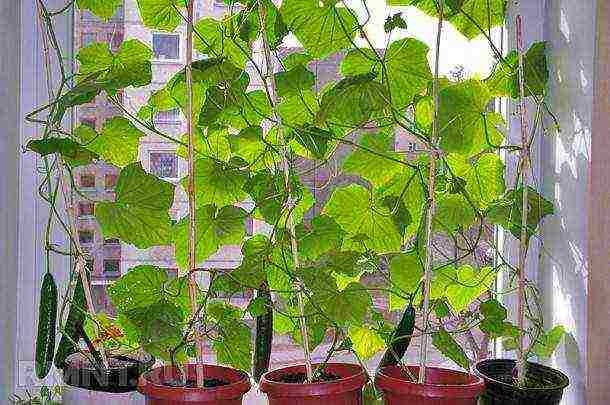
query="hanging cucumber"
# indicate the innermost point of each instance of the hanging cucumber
(47, 318)
(71, 332)
(401, 337)
(264, 334)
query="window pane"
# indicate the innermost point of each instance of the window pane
(168, 117)
(85, 236)
(87, 180)
(164, 164)
(85, 209)
(166, 46)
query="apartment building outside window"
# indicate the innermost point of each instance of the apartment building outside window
(110, 180)
(166, 47)
(164, 164)
(86, 236)
(168, 117)
(85, 209)
(87, 180)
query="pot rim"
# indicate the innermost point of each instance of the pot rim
(557, 373)
(388, 383)
(151, 387)
(356, 379)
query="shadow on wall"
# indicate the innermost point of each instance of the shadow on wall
(570, 33)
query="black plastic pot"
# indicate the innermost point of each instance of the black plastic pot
(121, 376)
(499, 390)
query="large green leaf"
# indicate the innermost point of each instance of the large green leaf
(129, 66)
(293, 81)
(366, 341)
(479, 15)
(353, 101)
(484, 178)
(504, 80)
(374, 160)
(218, 183)
(145, 285)
(469, 286)
(430, 6)
(317, 237)
(216, 39)
(367, 227)
(250, 144)
(233, 344)
(453, 212)
(214, 144)
(321, 27)
(507, 212)
(406, 272)
(546, 344)
(72, 152)
(299, 110)
(462, 115)
(409, 186)
(116, 144)
(139, 215)
(104, 9)
(161, 15)
(215, 228)
(269, 192)
(449, 347)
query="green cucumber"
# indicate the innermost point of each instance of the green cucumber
(264, 334)
(71, 331)
(401, 338)
(47, 319)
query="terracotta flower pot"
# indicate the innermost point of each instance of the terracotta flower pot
(154, 386)
(442, 387)
(498, 374)
(347, 390)
(117, 385)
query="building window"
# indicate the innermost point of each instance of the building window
(88, 121)
(411, 147)
(85, 236)
(114, 40)
(89, 263)
(166, 46)
(110, 181)
(85, 209)
(111, 242)
(168, 117)
(87, 180)
(112, 266)
(164, 164)
(88, 38)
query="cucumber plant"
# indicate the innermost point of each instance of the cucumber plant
(260, 120)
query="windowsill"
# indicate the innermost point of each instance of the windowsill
(166, 61)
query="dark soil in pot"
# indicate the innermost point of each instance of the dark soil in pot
(338, 384)
(442, 387)
(222, 386)
(544, 385)
(121, 376)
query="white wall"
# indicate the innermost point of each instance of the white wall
(570, 29)
(9, 136)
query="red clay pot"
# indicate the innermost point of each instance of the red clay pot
(443, 387)
(345, 391)
(151, 385)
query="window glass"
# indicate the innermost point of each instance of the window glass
(166, 46)
(112, 266)
(88, 38)
(110, 181)
(85, 209)
(164, 164)
(86, 236)
(168, 117)
(87, 180)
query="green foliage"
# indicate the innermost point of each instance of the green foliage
(104, 9)
(504, 80)
(218, 183)
(367, 227)
(449, 347)
(547, 343)
(366, 341)
(217, 39)
(161, 15)
(322, 29)
(140, 213)
(72, 152)
(216, 227)
(506, 211)
(129, 66)
(406, 271)
(116, 144)
(394, 22)
(233, 344)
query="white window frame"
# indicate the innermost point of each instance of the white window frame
(176, 161)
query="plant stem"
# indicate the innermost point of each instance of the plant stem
(286, 170)
(524, 208)
(423, 348)
(193, 288)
